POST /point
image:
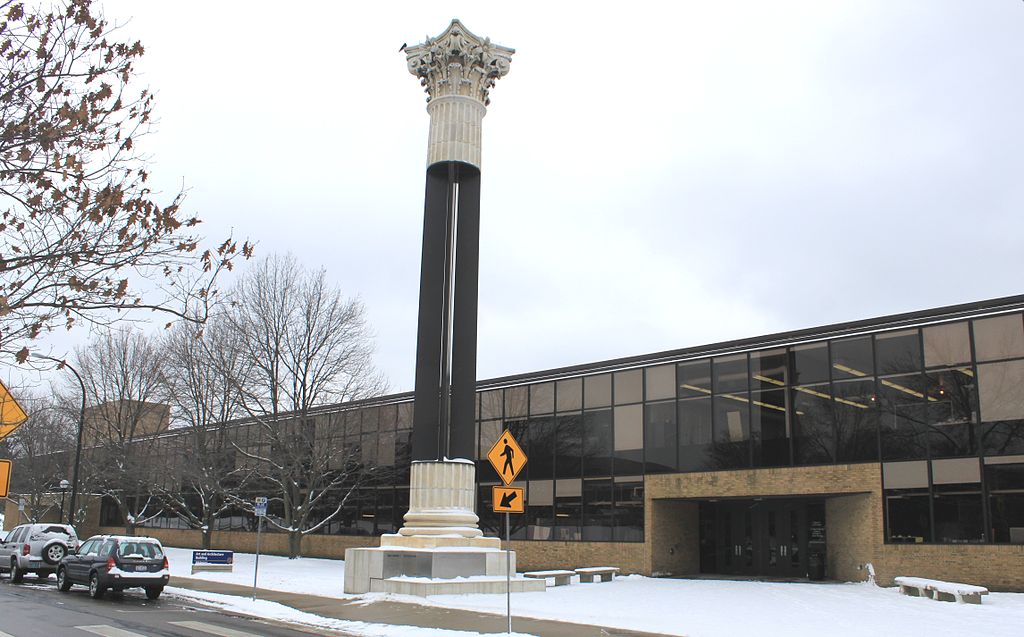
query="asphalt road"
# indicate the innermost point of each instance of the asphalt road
(37, 609)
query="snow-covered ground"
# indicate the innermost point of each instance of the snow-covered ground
(699, 608)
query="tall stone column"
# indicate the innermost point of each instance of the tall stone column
(457, 70)
(440, 541)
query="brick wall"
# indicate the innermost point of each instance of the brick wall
(538, 556)
(329, 546)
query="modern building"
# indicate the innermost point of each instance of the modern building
(896, 442)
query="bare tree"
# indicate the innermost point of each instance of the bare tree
(77, 221)
(122, 373)
(204, 373)
(308, 346)
(40, 449)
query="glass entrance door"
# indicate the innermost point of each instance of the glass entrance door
(769, 537)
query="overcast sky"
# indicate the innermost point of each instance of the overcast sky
(655, 175)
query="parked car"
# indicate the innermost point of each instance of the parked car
(116, 562)
(36, 548)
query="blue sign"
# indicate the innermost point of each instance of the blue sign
(213, 557)
(261, 507)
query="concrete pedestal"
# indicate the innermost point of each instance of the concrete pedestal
(440, 549)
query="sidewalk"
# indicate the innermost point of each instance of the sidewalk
(389, 612)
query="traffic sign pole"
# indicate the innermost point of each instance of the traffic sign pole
(261, 512)
(508, 571)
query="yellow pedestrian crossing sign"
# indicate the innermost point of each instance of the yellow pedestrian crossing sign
(12, 415)
(5, 477)
(507, 457)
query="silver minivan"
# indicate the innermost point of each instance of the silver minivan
(36, 548)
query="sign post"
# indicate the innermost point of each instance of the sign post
(508, 459)
(261, 512)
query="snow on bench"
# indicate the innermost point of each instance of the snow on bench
(561, 577)
(606, 573)
(942, 591)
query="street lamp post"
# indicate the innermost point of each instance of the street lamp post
(78, 443)
(64, 484)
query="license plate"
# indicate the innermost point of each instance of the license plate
(141, 569)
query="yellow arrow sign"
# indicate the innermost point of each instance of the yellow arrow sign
(12, 415)
(508, 500)
(5, 477)
(507, 457)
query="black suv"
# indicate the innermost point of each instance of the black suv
(116, 562)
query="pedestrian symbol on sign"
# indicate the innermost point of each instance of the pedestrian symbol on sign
(507, 458)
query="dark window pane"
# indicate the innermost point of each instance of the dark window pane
(958, 518)
(1004, 477)
(694, 378)
(768, 369)
(852, 358)
(517, 401)
(542, 398)
(907, 516)
(569, 394)
(597, 443)
(660, 445)
(388, 417)
(901, 417)
(491, 523)
(371, 420)
(597, 391)
(1007, 513)
(540, 448)
(629, 511)
(1001, 394)
(999, 337)
(598, 510)
(660, 382)
(695, 439)
(629, 386)
(540, 512)
(898, 352)
(856, 421)
(947, 345)
(730, 373)
(810, 363)
(405, 416)
(813, 426)
(950, 409)
(568, 446)
(490, 405)
(732, 432)
(769, 429)
(629, 440)
(568, 509)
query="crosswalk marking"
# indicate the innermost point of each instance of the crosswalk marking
(108, 631)
(213, 630)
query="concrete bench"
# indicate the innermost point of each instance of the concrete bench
(561, 577)
(589, 574)
(942, 591)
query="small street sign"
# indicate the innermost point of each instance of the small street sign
(508, 500)
(261, 506)
(6, 466)
(507, 457)
(12, 415)
(21, 504)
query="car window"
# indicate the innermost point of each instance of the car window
(18, 534)
(57, 529)
(89, 547)
(148, 550)
(107, 547)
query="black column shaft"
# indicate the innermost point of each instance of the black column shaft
(440, 432)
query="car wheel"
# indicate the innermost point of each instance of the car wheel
(63, 583)
(153, 592)
(95, 590)
(17, 574)
(54, 553)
